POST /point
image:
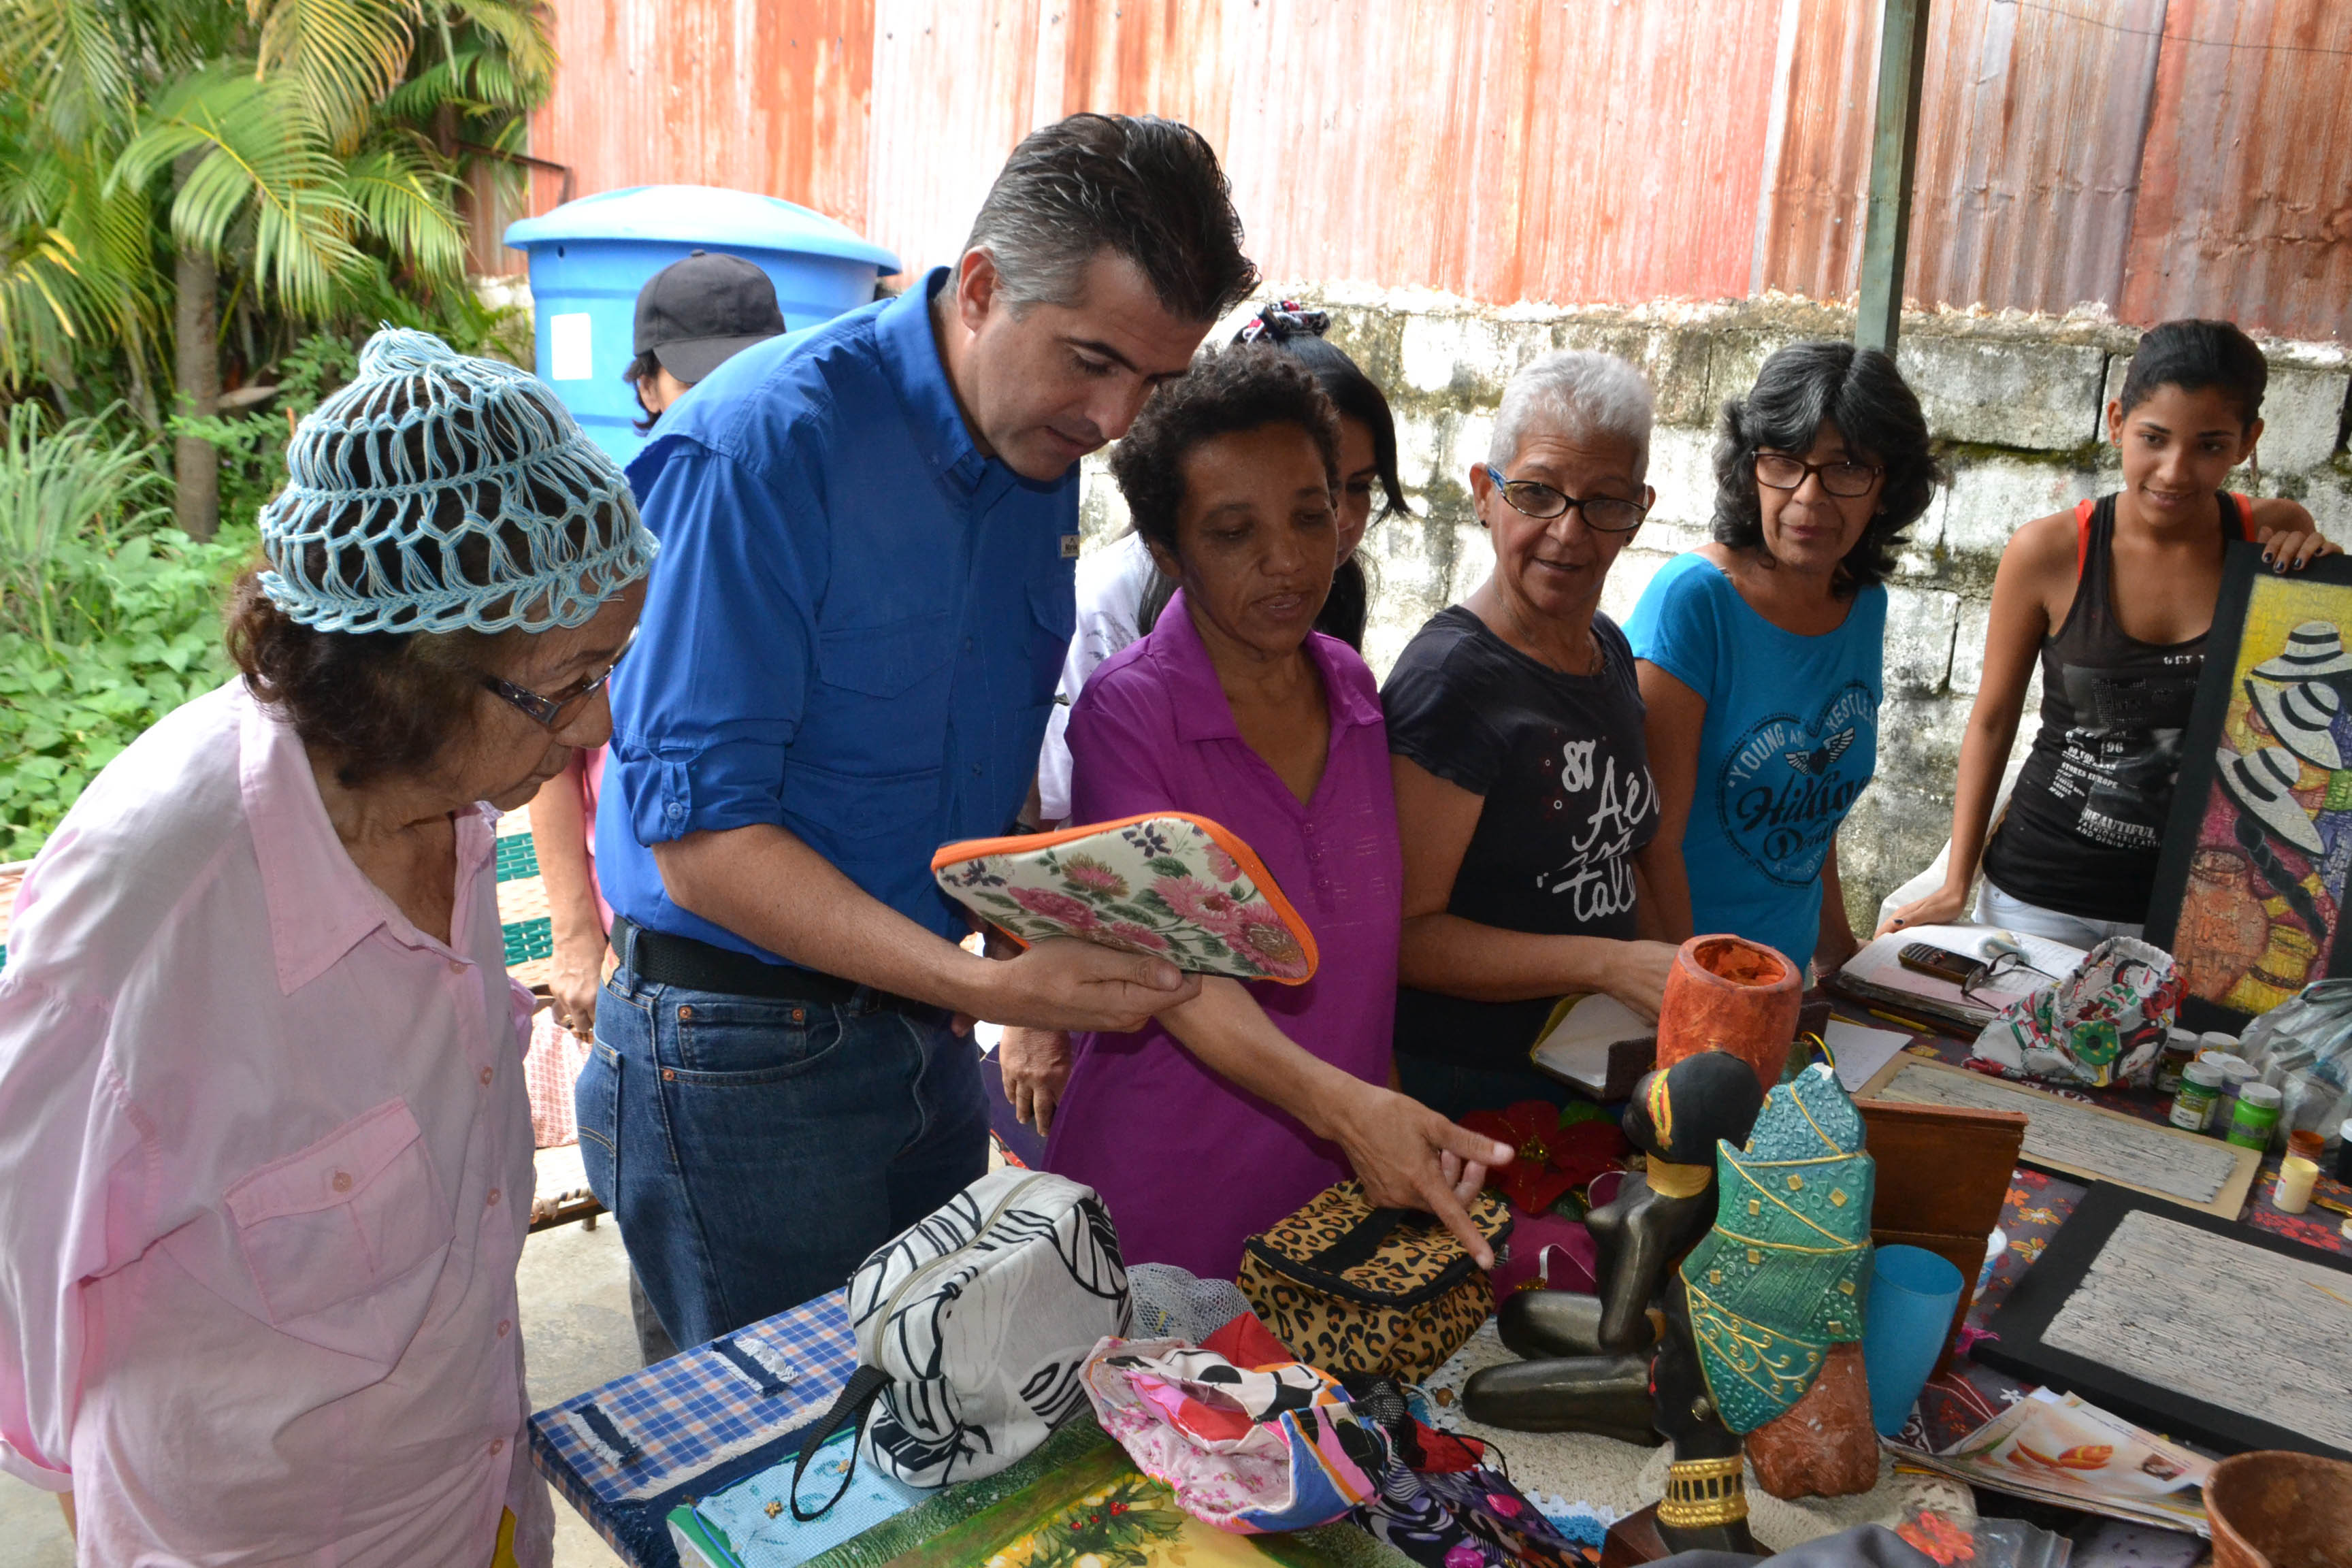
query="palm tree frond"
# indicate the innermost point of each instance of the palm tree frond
(346, 54)
(406, 202)
(520, 28)
(263, 166)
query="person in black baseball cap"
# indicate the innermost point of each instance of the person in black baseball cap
(693, 316)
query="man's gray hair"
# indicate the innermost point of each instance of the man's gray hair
(1576, 393)
(1141, 188)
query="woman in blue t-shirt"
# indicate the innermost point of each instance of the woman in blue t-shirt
(1759, 654)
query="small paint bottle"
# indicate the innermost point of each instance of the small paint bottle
(2180, 1048)
(2296, 1180)
(2200, 1091)
(2236, 1073)
(2255, 1115)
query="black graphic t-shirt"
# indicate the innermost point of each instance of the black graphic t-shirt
(2086, 820)
(1560, 762)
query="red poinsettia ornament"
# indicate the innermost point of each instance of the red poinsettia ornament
(1554, 1156)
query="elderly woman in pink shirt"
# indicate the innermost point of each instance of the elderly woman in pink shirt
(1228, 1113)
(263, 1129)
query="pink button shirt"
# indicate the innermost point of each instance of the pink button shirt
(268, 1160)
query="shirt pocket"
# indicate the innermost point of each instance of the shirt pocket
(345, 1239)
(887, 660)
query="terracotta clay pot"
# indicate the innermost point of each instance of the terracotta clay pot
(2272, 1509)
(1727, 993)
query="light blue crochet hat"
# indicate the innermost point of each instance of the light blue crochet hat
(437, 492)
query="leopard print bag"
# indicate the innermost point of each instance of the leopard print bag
(1358, 1290)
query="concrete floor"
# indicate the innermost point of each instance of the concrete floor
(576, 1334)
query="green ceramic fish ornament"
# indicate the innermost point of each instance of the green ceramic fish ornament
(1781, 1277)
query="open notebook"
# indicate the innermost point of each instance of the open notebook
(1877, 975)
(1596, 1043)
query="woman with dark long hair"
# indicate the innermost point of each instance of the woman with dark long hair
(1760, 654)
(2113, 600)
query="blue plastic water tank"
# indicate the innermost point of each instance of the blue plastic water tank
(589, 258)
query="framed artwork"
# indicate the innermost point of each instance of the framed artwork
(2087, 1142)
(2211, 1332)
(2251, 886)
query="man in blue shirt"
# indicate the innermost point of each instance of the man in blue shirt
(848, 651)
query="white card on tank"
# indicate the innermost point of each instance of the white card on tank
(569, 346)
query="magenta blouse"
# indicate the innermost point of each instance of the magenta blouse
(1190, 1165)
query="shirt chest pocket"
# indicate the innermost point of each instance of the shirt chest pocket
(345, 1239)
(887, 660)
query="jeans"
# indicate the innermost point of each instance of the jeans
(1995, 908)
(754, 1152)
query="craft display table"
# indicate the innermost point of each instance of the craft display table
(626, 1454)
(2317, 1228)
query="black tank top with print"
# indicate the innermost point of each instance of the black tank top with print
(2088, 816)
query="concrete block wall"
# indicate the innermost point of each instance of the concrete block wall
(2019, 399)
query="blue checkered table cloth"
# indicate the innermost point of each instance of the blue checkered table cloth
(627, 1453)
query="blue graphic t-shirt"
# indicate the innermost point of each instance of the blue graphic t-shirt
(1789, 743)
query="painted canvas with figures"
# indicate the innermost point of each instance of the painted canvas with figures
(2261, 894)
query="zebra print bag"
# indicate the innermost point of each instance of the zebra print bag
(972, 1328)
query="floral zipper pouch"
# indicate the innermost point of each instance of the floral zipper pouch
(1169, 884)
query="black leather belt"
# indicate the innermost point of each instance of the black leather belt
(669, 960)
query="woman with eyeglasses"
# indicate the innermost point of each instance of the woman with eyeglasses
(1760, 653)
(263, 1126)
(1515, 732)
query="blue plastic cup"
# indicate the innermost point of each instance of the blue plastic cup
(1905, 1325)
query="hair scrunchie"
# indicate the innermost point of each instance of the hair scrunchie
(1283, 319)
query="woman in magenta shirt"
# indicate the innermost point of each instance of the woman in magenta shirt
(1230, 1112)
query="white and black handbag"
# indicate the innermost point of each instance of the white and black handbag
(973, 1326)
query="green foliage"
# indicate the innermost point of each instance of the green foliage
(314, 149)
(107, 621)
(252, 447)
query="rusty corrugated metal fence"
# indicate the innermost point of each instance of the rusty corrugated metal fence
(2160, 157)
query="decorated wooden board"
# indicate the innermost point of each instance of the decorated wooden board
(2209, 1331)
(2087, 1141)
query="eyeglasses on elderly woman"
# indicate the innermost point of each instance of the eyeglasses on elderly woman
(1784, 472)
(556, 712)
(1603, 514)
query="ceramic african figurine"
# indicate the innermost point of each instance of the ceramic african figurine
(1642, 1359)
(1591, 1358)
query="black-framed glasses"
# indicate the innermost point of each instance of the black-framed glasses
(558, 711)
(1602, 514)
(1783, 472)
(2000, 967)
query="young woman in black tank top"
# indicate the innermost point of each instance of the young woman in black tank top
(2114, 600)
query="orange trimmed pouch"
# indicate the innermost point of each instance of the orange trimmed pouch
(1167, 883)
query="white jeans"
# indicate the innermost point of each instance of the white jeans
(1995, 908)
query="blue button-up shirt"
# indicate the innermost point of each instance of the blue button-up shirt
(853, 627)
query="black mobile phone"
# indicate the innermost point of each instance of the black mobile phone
(1941, 963)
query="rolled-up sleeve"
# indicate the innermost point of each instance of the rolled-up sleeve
(74, 1167)
(714, 689)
